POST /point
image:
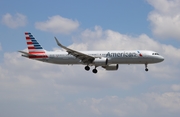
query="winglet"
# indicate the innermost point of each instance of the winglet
(58, 43)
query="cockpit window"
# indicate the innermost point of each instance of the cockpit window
(155, 54)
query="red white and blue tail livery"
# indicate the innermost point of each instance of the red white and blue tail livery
(35, 50)
(109, 60)
(33, 46)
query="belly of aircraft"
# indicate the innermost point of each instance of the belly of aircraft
(128, 61)
(64, 61)
(110, 61)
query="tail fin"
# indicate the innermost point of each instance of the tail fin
(33, 46)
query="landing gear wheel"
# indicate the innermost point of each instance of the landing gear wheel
(94, 71)
(87, 68)
(146, 69)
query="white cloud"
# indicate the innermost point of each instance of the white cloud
(58, 24)
(176, 87)
(165, 19)
(109, 40)
(114, 106)
(169, 101)
(18, 20)
(170, 7)
(71, 91)
(149, 104)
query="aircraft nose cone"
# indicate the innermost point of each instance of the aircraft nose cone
(161, 58)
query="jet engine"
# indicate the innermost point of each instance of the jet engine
(111, 67)
(100, 61)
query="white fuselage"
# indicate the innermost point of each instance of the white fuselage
(109, 60)
(114, 57)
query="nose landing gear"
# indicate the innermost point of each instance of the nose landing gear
(146, 69)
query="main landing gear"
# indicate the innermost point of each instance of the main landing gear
(94, 70)
(146, 69)
(87, 68)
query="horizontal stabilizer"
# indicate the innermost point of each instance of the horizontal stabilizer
(26, 53)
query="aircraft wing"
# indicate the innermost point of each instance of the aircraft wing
(84, 57)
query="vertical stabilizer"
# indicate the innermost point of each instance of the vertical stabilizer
(34, 47)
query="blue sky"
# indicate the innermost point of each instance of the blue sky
(87, 13)
(31, 88)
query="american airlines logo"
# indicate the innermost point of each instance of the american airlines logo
(123, 54)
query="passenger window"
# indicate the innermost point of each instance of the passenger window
(155, 54)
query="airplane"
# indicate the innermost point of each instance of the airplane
(109, 60)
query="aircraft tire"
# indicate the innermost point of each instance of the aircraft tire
(94, 71)
(87, 68)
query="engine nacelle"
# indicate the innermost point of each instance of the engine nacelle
(111, 67)
(100, 61)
